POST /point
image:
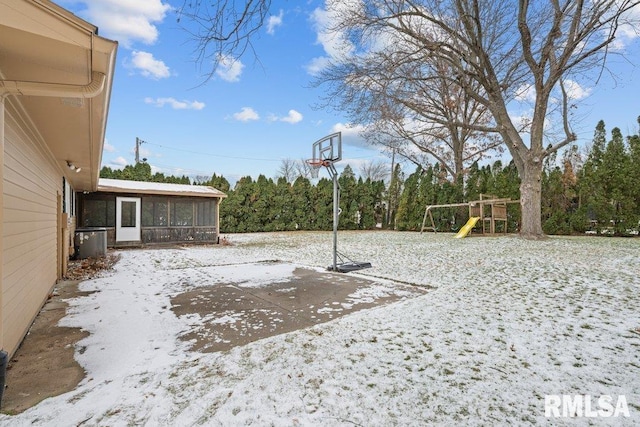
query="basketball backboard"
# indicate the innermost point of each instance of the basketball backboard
(328, 148)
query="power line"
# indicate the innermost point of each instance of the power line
(214, 155)
(235, 157)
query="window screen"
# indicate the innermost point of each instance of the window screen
(99, 213)
(155, 212)
(205, 213)
(181, 213)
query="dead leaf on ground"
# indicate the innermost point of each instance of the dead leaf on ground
(88, 268)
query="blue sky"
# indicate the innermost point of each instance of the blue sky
(249, 117)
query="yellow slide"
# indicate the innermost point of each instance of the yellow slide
(466, 229)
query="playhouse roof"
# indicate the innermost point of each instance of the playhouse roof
(160, 188)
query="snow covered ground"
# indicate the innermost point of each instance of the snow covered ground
(508, 323)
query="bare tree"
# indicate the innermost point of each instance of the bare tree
(293, 169)
(495, 51)
(410, 105)
(201, 179)
(223, 29)
(288, 170)
(374, 171)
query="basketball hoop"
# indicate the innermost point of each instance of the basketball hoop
(315, 165)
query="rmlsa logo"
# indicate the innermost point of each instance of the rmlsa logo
(584, 405)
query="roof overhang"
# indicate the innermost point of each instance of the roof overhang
(157, 188)
(55, 67)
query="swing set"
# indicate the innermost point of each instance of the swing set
(489, 210)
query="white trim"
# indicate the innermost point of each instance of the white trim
(127, 234)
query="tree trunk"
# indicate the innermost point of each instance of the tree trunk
(531, 200)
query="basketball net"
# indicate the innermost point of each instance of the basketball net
(315, 165)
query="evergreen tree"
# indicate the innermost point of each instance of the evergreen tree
(473, 182)
(555, 215)
(107, 172)
(591, 197)
(349, 215)
(282, 209)
(373, 205)
(261, 200)
(393, 195)
(219, 183)
(323, 205)
(241, 208)
(634, 177)
(617, 183)
(408, 215)
(302, 204)
(229, 213)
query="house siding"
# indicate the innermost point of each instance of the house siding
(30, 227)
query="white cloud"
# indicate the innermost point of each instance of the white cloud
(575, 91)
(293, 117)
(229, 69)
(119, 162)
(175, 104)
(273, 22)
(526, 93)
(627, 32)
(522, 120)
(246, 114)
(108, 147)
(318, 64)
(127, 21)
(148, 65)
(146, 153)
(351, 135)
(335, 44)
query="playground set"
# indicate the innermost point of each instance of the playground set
(489, 210)
(327, 151)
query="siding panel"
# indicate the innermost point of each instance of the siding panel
(31, 185)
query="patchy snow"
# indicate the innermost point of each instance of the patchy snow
(508, 322)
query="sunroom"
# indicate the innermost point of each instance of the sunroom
(136, 213)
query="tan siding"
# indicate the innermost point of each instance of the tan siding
(31, 184)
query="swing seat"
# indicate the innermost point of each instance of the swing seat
(347, 267)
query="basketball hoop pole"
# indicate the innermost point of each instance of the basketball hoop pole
(315, 166)
(327, 151)
(336, 212)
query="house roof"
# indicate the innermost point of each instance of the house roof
(55, 68)
(160, 188)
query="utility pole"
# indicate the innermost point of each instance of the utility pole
(138, 142)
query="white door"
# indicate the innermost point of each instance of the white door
(127, 219)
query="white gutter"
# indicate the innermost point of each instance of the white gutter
(93, 89)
